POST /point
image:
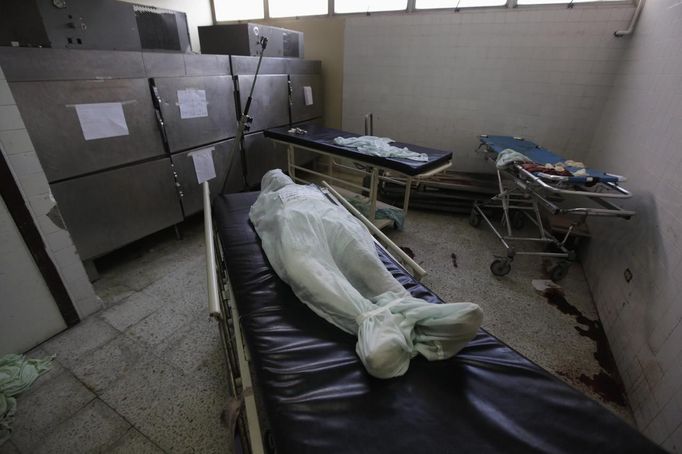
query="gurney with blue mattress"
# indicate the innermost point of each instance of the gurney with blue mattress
(376, 169)
(299, 386)
(573, 191)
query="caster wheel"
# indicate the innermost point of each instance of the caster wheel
(518, 220)
(558, 271)
(474, 218)
(500, 267)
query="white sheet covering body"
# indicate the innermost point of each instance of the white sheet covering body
(330, 261)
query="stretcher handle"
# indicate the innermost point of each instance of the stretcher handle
(622, 193)
(418, 270)
(212, 284)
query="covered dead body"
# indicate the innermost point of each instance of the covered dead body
(330, 261)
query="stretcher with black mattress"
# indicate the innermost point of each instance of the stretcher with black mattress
(316, 396)
(320, 140)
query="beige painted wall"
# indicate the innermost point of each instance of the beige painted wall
(323, 41)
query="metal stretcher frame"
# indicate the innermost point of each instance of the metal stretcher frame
(243, 410)
(375, 168)
(522, 201)
(376, 173)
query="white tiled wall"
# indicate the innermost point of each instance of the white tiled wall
(640, 136)
(558, 76)
(28, 313)
(23, 161)
(442, 79)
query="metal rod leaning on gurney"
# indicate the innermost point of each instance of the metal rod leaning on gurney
(418, 271)
(245, 120)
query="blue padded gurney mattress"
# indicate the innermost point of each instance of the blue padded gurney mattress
(541, 155)
(322, 139)
(318, 398)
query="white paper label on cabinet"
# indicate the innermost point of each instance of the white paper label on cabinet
(203, 164)
(102, 120)
(308, 95)
(192, 103)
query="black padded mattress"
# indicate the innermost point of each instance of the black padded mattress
(319, 399)
(321, 138)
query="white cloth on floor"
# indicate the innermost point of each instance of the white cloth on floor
(329, 259)
(380, 146)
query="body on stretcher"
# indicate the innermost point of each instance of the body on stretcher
(315, 396)
(573, 190)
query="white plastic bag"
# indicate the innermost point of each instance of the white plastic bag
(330, 261)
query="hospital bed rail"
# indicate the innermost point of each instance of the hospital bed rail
(531, 192)
(241, 411)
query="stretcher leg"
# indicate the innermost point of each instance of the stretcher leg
(291, 161)
(373, 193)
(406, 200)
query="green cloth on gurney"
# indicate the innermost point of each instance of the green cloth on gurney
(394, 214)
(17, 374)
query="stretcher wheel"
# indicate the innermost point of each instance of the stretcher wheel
(474, 218)
(558, 271)
(500, 267)
(518, 220)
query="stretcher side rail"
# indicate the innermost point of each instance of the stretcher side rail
(242, 413)
(622, 192)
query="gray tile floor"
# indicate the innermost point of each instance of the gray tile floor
(513, 310)
(146, 374)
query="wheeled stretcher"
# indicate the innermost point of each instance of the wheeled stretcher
(320, 140)
(300, 388)
(524, 191)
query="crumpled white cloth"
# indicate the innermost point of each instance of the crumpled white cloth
(330, 261)
(508, 157)
(380, 146)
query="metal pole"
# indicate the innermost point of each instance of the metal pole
(418, 270)
(374, 182)
(291, 162)
(245, 120)
(213, 298)
(406, 200)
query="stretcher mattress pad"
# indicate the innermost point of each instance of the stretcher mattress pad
(318, 398)
(322, 139)
(541, 155)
